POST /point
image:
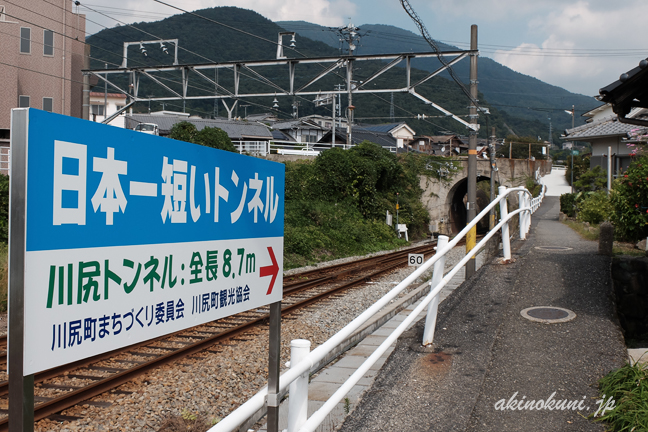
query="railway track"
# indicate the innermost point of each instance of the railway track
(60, 388)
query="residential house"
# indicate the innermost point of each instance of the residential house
(103, 105)
(400, 131)
(302, 130)
(360, 134)
(42, 57)
(602, 129)
(250, 137)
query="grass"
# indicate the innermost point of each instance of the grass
(592, 233)
(188, 421)
(628, 388)
(583, 230)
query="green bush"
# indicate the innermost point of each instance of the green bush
(591, 180)
(629, 198)
(336, 204)
(595, 208)
(568, 204)
(208, 136)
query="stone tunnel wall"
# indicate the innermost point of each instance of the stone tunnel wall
(438, 194)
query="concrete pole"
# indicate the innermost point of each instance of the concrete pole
(609, 170)
(333, 124)
(85, 110)
(471, 237)
(492, 178)
(350, 106)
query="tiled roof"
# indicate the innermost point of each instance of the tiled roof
(236, 130)
(296, 124)
(360, 134)
(600, 129)
(384, 128)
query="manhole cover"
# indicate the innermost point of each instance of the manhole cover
(548, 314)
(553, 248)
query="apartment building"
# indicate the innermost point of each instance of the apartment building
(42, 57)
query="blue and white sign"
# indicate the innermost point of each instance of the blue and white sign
(131, 236)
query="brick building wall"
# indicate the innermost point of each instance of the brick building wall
(42, 45)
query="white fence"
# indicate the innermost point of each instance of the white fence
(302, 362)
(257, 148)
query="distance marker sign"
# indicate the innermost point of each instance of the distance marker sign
(130, 236)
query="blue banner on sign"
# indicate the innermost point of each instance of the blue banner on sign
(93, 185)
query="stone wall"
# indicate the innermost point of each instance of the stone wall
(630, 282)
(438, 194)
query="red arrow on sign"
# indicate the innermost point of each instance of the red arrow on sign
(271, 270)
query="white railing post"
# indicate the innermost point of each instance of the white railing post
(437, 275)
(298, 399)
(528, 218)
(522, 218)
(506, 239)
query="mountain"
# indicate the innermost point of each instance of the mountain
(501, 86)
(205, 40)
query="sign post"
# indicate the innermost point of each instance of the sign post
(127, 237)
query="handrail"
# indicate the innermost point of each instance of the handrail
(256, 402)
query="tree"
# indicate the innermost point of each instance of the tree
(591, 180)
(184, 131)
(208, 136)
(215, 138)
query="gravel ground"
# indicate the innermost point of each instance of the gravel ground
(212, 385)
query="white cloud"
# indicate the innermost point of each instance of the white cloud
(586, 45)
(324, 12)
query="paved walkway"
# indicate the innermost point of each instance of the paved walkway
(487, 352)
(328, 380)
(556, 182)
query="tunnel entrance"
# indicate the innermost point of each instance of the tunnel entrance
(459, 197)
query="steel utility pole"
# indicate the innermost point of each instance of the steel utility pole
(471, 238)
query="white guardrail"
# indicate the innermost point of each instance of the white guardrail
(302, 361)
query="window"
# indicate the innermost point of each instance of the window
(25, 40)
(23, 101)
(97, 109)
(47, 104)
(48, 43)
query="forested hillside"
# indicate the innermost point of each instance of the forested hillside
(205, 41)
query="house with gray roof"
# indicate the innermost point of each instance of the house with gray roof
(246, 136)
(401, 132)
(602, 130)
(360, 134)
(303, 130)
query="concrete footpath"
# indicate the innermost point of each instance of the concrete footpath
(485, 351)
(329, 379)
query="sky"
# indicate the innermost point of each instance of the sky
(578, 45)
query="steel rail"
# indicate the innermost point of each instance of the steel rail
(98, 387)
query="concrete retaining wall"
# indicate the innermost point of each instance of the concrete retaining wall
(630, 282)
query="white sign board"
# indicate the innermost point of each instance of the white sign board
(415, 260)
(132, 236)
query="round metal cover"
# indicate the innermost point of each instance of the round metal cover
(548, 314)
(553, 248)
